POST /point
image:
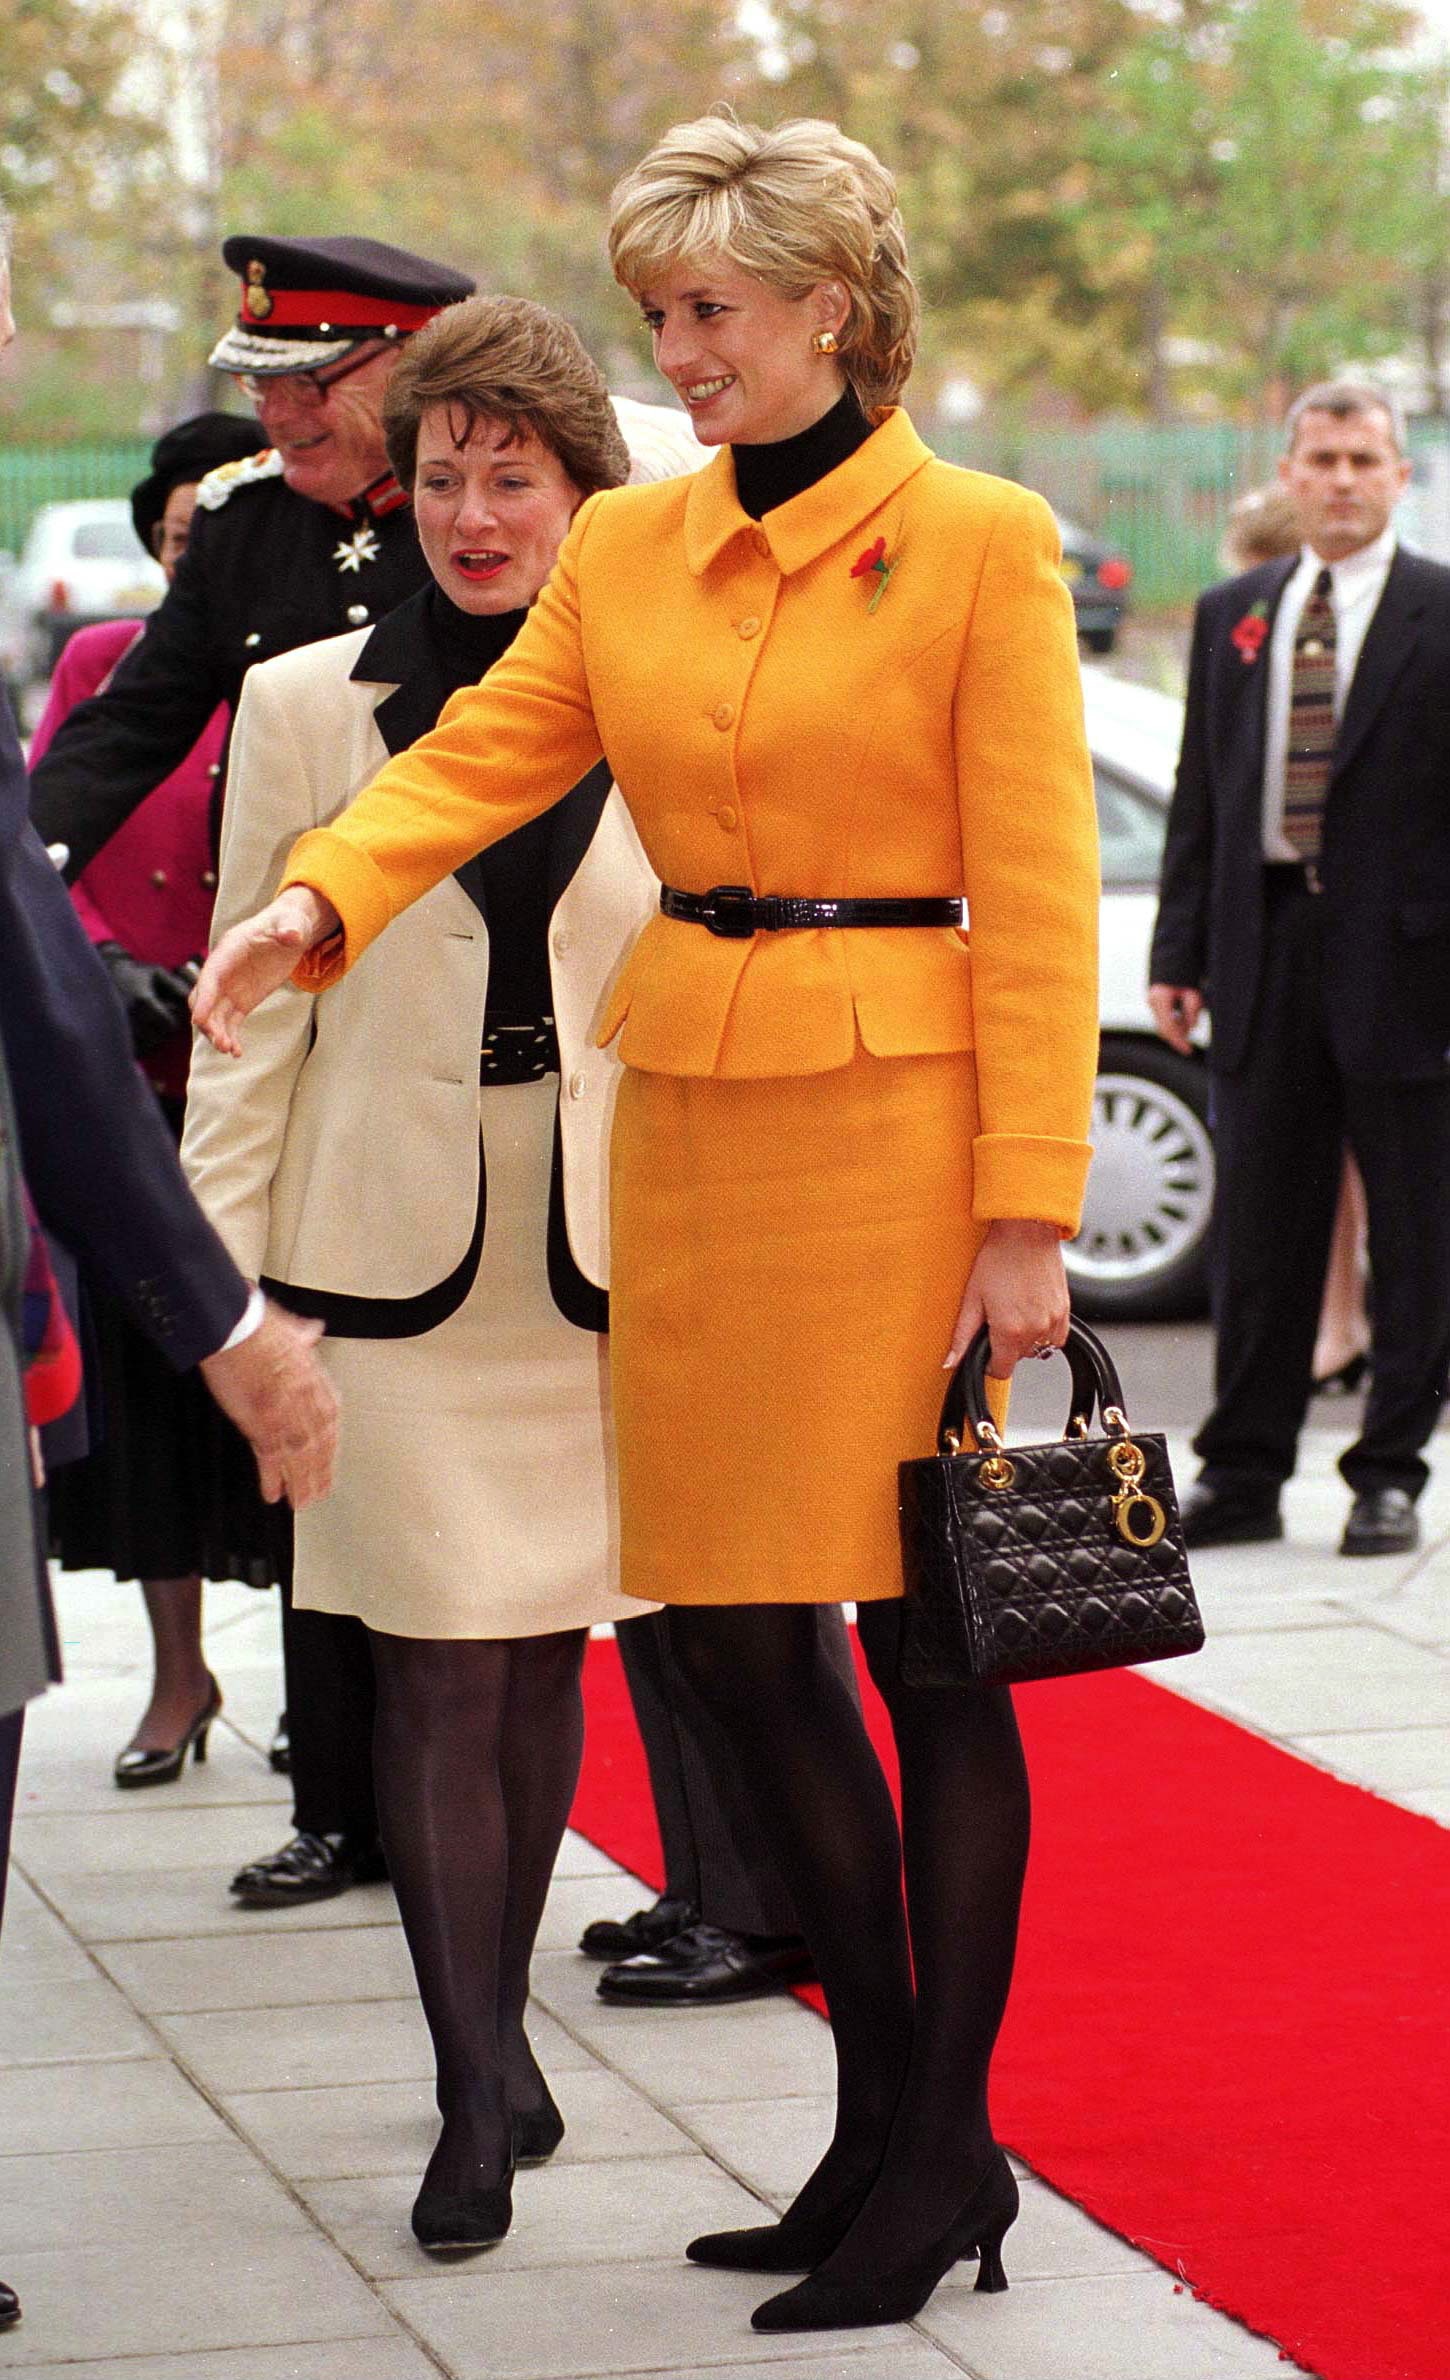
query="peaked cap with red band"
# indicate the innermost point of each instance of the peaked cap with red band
(308, 303)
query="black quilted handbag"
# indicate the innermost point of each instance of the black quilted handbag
(1040, 1561)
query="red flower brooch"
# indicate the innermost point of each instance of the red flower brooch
(1247, 635)
(873, 564)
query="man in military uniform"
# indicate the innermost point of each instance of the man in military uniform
(306, 539)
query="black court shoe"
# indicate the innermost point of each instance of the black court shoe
(460, 2222)
(136, 1766)
(9, 2306)
(821, 2304)
(537, 2133)
(783, 2247)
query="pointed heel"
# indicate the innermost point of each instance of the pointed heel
(198, 1750)
(991, 2278)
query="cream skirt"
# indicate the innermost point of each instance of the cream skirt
(474, 1494)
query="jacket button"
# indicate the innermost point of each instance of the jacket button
(723, 714)
(208, 878)
(578, 1085)
(748, 627)
(356, 614)
(760, 541)
(214, 768)
(254, 639)
(563, 943)
(727, 817)
(158, 878)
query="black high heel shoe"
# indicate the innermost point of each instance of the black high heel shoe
(537, 2133)
(820, 2304)
(1343, 1381)
(458, 2222)
(783, 2247)
(135, 1766)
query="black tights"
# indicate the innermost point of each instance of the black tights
(476, 1756)
(912, 2065)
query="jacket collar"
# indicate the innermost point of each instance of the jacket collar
(819, 517)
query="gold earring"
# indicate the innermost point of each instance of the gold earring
(825, 343)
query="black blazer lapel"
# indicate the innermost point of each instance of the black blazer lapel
(1388, 643)
(401, 649)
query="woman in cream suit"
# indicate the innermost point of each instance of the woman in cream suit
(419, 1160)
(836, 681)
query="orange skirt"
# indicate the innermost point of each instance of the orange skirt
(789, 1257)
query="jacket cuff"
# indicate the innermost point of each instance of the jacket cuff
(358, 891)
(1030, 1179)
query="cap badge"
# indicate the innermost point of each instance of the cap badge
(354, 551)
(254, 297)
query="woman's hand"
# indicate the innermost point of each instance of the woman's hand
(252, 959)
(1018, 1287)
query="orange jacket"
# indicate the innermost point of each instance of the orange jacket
(769, 728)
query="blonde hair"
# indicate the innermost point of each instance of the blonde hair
(1263, 524)
(794, 206)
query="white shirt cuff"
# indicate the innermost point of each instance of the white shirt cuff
(253, 1315)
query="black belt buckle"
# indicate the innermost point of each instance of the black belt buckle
(729, 910)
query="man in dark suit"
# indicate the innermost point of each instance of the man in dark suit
(1306, 903)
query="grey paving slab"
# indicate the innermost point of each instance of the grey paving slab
(877, 2355)
(574, 1900)
(67, 2022)
(144, 1907)
(142, 1832)
(626, 2209)
(771, 2144)
(287, 2049)
(374, 2357)
(35, 1948)
(84, 2301)
(255, 1969)
(747, 2049)
(1430, 1804)
(1318, 1681)
(390, 2128)
(1053, 2239)
(124, 2103)
(598, 2320)
(579, 1857)
(1106, 2328)
(1393, 1760)
(107, 2198)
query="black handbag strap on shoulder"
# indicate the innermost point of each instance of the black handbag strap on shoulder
(1096, 1389)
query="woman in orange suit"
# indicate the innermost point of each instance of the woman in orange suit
(836, 680)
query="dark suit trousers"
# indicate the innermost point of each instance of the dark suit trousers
(715, 1855)
(1280, 1125)
(12, 1727)
(328, 1664)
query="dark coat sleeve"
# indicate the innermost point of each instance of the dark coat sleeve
(114, 750)
(97, 1155)
(1180, 936)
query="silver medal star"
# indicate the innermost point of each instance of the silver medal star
(354, 551)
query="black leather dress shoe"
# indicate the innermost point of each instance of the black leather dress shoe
(705, 1965)
(609, 1938)
(9, 2306)
(1230, 1516)
(1382, 1521)
(309, 1868)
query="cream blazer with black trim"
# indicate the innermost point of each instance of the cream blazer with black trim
(340, 1153)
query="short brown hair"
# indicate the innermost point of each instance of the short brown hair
(795, 205)
(508, 360)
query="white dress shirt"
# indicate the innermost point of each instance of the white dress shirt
(1357, 583)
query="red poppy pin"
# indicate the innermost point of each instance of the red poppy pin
(873, 564)
(1247, 635)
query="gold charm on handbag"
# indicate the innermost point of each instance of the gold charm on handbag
(1138, 1517)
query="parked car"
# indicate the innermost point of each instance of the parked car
(1142, 1250)
(1098, 579)
(81, 561)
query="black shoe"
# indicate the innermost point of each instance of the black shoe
(1230, 1516)
(1344, 1380)
(537, 2134)
(455, 2222)
(279, 1751)
(783, 2247)
(136, 1767)
(607, 1938)
(1381, 1521)
(706, 1965)
(309, 1868)
(9, 2306)
(818, 2303)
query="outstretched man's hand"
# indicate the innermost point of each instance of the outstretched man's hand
(275, 1390)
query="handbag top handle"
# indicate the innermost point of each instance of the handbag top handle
(1095, 1387)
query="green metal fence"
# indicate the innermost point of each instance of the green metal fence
(34, 475)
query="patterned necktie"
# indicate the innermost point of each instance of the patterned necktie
(1311, 721)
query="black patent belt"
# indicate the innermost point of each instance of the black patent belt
(736, 912)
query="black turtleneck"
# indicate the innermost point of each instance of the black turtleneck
(468, 643)
(769, 475)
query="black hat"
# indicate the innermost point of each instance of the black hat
(184, 454)
(306, 303)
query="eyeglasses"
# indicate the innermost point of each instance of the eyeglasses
(307, 388)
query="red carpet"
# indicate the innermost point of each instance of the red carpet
(1228, 2039)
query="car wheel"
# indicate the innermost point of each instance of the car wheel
(1100, 640)
(1143, 1248)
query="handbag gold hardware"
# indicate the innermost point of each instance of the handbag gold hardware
(997, 1472)
(1126, 1461)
